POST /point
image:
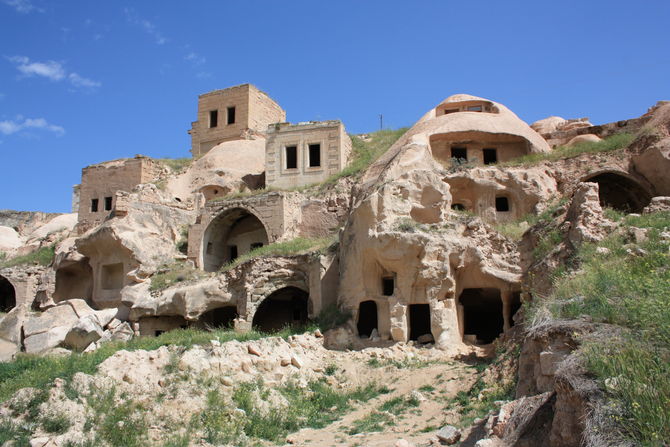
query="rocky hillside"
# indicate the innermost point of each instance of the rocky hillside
(420, 297)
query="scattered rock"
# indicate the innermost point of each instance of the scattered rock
(296, 361)
(449, 435)
(425, 338)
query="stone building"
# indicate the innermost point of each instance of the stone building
(231, 114)
(101, 182)
(471, 129)
(305, 153)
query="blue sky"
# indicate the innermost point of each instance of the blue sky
(83, 81)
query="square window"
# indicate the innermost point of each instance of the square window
(291, 157)
(231, 115)
(314, 155)
(459, 153)
(112, 276)
(94, 205)
(474, 109)
(490, 156)
(448, 111)
(108, 203)
(213, 118)
(502, 204)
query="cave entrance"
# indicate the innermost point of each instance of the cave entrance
(231, 234)
(620, 192)
(419, 320)
(482, 314)
(219, 318)
(284, 307)
(367, 318)
(7, 295)
(74, 281)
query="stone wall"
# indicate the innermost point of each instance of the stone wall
(335, 149)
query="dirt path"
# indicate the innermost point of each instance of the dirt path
(421, 396)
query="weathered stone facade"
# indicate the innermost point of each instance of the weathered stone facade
(230, 114)
(101, 182)
(305, 153)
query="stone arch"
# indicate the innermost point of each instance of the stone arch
(232, 233)
(7, 295)
(287, 306)
(620, 191)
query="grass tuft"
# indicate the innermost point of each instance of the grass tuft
(611, 143)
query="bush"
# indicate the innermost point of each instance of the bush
(56, 424)
(331, 317)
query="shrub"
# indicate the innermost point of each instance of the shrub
(332, 316)
(56, 424)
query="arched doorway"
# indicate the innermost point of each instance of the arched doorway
(620, 192)
(284, 307)
(7, 295)
(231, 234)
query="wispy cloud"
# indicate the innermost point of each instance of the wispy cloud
(80, 81)
(22, 6)
(49, 69)
(133, 18)
(52, 70)
(9, 127)
(194, 58)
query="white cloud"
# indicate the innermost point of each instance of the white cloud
(80, 81)
(9, 127)
(148, 27)
(22, 6)
(52, 70)
(195, 58)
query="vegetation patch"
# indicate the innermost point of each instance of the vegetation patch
(611, 143)
(366, 151)
(289, 248)
(175, 273)
(384, 416)
(40, 371)
(628, 285)
(42, 256)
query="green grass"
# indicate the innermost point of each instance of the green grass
(121, 424)
(10, 431)
(632, 291)
(611, 143)
(332, 316)
(479, 400)
(315, 406)
(364, 153)
(56, 423)
(406, 363)
(287, 248)
(384, 415)
(42, 256)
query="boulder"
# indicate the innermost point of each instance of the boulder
(585, 138)
(449, 435)
(86, 331)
